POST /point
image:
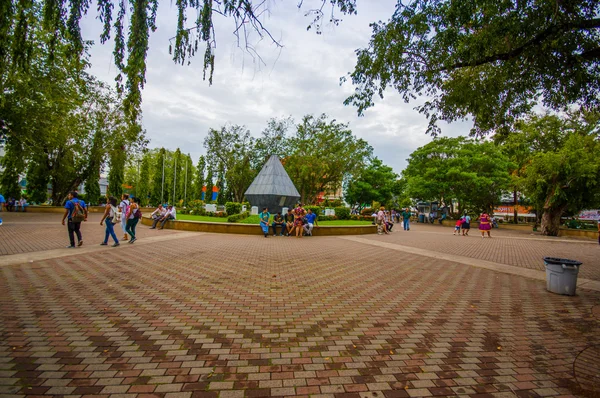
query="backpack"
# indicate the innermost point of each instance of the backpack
(114, 215)
(78, 214)
(137, 213)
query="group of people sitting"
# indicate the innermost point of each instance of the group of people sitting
(13, 204)
(298, 221)
(162, 214)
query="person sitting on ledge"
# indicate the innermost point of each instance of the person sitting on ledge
(171, 214)
(278, 222)
(264, 221)
(157, 215)
(289, 223)
(311, 222)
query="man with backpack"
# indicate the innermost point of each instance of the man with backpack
(75, 212)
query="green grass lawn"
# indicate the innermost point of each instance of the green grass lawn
(191, 217)
(256, 220)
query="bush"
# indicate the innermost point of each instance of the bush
(196, 207)
(238, 217)
(232, 208)
(342, 213)
(220, 214)
(328, 218)
(314, 209)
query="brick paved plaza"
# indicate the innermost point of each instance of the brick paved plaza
(179, 314)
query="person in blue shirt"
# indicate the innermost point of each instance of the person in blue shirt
(73, 219)
(264, 221)
(2, 202)
(311, 221)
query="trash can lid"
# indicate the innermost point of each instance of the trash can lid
(565, 261)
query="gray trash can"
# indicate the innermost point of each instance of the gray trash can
(561, 275)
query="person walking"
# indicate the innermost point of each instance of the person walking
(124, 209)
(406, 219)
(466, 225)
(485, 224)
(134, 215)
(264, 221)
(75, 213)
(380, 221)
(110, 216)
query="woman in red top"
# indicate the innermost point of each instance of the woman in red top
(485, 224)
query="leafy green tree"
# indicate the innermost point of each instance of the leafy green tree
(59, 118)
(144, 185)
(375, 183)
(488, 59)
(199, 181)
(116, 175)
(563, 171)
(131, 38)
(232, 148)
(274, 140)
(37, 181)
(157, 194)
(92, 189)
(322, 154)
(474, 173)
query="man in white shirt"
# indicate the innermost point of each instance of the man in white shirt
(157, 215)
(171, 214)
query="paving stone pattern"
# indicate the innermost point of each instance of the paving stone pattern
(31, 232)
(244, 316)
(516, 248)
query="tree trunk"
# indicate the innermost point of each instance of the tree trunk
(516, 204)
(551, 221)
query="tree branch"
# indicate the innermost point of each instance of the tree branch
(536, 40)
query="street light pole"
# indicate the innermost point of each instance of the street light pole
(185, 186)
(162, 192)
(174, 181)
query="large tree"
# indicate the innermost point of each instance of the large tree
(488, 59)
(376, 182)
(562, 173)
(231, 150)
(474, 173)
(322, 154)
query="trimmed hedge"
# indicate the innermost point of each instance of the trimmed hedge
(342, 213)
(232, 208)
(238, 217)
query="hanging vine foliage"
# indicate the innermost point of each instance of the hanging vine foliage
(62, 18)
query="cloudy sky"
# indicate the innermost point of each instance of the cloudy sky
(300, 78)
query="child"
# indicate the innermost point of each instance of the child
(457, 226)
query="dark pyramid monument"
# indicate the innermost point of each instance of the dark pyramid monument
(272, 188)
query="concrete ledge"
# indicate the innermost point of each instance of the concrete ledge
(578, 233)
(254, 229)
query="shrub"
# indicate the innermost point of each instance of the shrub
(220, 214)
(314, 209)
(342, 213)
(232, 208)
(238, 217)
(197, 206)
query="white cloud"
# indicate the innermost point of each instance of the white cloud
(300, 78)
